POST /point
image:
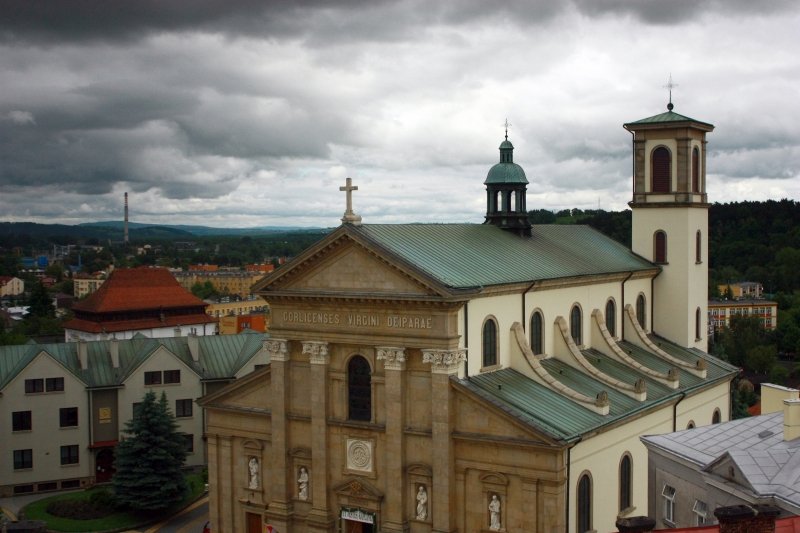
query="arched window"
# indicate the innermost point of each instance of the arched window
(575, 325)
(716, 418)
(489, 343)
(660, 247)
(611, 318)
(359, 387)
(698, 247)
(584, 504)
(640, 310)
(661, 169)
(498, 204)
(697, 331)
(512, 201)
(690, 425)
(537, 344)
(625, 482)
(695, 170)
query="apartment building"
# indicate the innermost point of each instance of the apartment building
(721, 311)
(84, 286)
(226, 282)
(235, 305)
(63, 406)
(744, 289)
(11, 286)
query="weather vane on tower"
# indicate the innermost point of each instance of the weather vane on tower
(670, 85)
(506, 125)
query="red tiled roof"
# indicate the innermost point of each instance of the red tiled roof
(128, 289)
(755, 410)
(89, 326)
(790, 524)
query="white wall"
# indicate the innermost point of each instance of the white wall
(152, 333)
(46, 437)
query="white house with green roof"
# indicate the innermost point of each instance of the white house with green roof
(477, 377)
(63, 406)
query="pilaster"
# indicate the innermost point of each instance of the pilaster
(683, 166)
(319, 518)
(394, 364)
(214, 506)
(444, 363)
(279, 512)
(225, 481)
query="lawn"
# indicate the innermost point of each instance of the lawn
(37, 511)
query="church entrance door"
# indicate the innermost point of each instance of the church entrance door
(351, 526)
(254, 523)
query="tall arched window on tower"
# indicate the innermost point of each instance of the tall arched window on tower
(512, 201)
(661, 169)
(575, 325)
(489, 343)
(536, 334)
(359, 388)
(640, 310)
(698, 249)
(625, 482)
(611, 318)
(697, 329)
(584, 504)
(695, 170)
(499, 202)
(660, 246)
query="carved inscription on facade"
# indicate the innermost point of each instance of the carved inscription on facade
(358, 320)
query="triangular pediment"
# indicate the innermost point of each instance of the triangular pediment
(249, 392)
(347, 263)
(357, 487)
(727, 468)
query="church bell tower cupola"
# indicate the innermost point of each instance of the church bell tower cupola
(506, 186)
(670, 221)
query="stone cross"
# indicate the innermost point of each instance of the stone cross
(350, 217)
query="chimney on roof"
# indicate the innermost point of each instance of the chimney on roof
(113, 349)
(125, 237)
(177, 331)
(194, 346)
(757, 518)
(791, 419)
(83, 354)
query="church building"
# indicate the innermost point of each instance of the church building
(477, 377)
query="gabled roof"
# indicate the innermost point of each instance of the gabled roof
(142, 288)
(559, 416)
(112, 326)
(221, 357)
(670, 117)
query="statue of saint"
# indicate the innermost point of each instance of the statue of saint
(303, 484)
(253, 466)
(422, 503)
(494, 513)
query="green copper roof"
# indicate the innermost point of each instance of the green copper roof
(669, 116)
(221, 356)
(464, 256)
(566, 420)
(506, 173)
(506, 145)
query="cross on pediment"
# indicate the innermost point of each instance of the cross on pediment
(350, 217)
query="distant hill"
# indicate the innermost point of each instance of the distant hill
(100, 232)
(199, 230)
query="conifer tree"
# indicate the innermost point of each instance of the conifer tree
(150, 457)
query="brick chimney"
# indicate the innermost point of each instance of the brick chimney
(791, 419)
(636, 524)
(747, 518)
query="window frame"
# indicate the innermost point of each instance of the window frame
(716, 418)
(188, 438)
(611, 318)
(661, 258)
(641, 311)
(576, 331)
(653, 155)
(151, 381)
(698, 330)
(180, 408)
(172, 377)
(23, 460)
(54, 384)
(698, 247)
(493, 343)
(65, 417)
(31, 386)
(71, 458)
(352, 410)
(537, 336)
(701, 515)
(669, 503)
(583, 503)
(625, 482)
(695, 170)
(18, 418)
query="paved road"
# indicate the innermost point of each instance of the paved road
(190, 520)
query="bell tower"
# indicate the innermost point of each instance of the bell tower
(670, 222)
(506, 186)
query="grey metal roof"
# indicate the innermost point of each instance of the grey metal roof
(770, 465)
(565, 419)
(221, 356)
(472, 255)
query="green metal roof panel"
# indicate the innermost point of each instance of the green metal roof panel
(669, 116)
(477, 255)
(583, 383)
(506, 173)
(655, 389)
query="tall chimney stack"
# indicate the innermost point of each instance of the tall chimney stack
(125, 238)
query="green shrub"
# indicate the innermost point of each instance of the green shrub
(103, 499)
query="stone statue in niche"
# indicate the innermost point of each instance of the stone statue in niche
(422, 503)
(253, 466)
(302, 483)
(494, 513)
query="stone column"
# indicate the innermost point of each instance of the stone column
(444, 363)
(319, 518)
(394, 363)
(214, 506)
(226, 480)
(279, 513)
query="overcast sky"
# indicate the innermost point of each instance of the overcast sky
(245, 113)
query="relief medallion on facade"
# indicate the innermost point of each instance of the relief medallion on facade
(359, 455)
